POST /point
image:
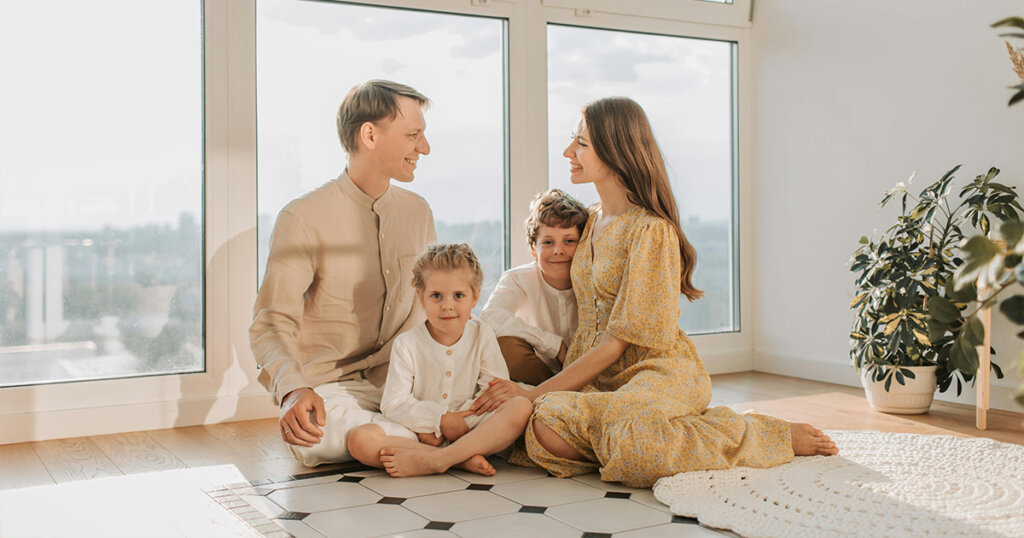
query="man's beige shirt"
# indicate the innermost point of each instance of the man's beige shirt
(338, 285)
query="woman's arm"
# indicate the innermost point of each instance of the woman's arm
(582, 371)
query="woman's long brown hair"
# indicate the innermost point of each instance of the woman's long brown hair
(622, 138)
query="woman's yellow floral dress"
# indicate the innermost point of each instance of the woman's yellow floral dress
(646, 416)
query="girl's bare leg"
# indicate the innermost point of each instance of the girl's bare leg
(489, 437)
(365, 444)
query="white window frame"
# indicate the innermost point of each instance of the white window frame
(228, 389)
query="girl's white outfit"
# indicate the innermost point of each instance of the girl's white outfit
(427, 379)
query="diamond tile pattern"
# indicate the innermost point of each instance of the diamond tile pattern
(515, 502)
(320, 497)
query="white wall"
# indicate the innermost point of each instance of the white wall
(849, 98)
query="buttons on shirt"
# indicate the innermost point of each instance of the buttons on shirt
(387, 308)
(448, 352)
(448, 373)
(387, 271)
(445, 395)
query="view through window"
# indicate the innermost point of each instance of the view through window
(686, 87)
(101, 177)
(310, 54)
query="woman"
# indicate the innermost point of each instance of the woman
(641, 410)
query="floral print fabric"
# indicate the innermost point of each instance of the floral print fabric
(646, 416)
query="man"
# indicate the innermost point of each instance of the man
(337, 288)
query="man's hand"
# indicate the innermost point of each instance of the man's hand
(453, 425)
(498, 392)
(561, 353)
(430, 439)
(296, 426)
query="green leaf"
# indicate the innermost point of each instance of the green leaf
(1011, 231)
(1017, 22)
(997, 370)
(942, 310)
(1017, 97)
(910, 374)
(979, 251)
(899, 377)
(863, 240)
(936, 329)
(974, 332)
(964, 356)
(1013, 308)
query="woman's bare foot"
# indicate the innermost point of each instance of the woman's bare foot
(477, 464)
(407, 462)
(810, 441)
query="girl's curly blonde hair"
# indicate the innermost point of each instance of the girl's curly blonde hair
(450, 257)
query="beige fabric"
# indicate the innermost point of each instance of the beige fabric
(523, 305)
(337, 288)
(524, 366)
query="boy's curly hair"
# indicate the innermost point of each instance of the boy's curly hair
(557, 209)
(450, 257)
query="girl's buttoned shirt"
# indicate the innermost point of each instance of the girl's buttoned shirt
(427, 379)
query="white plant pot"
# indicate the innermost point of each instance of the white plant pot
(913, 398)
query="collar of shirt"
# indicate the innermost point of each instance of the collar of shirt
(356, 194)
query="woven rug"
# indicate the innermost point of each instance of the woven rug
(880, 484)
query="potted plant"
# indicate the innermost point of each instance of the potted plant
(909, 324)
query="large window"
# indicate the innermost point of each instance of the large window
(311, 53)
(101, 176)
(686, 87)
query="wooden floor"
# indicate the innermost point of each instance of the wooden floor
(255, 448)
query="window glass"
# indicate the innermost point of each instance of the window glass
(101, 156)
(686, 87)
(310, 54)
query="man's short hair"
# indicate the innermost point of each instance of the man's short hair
(450, 257)
(557, 209)
(371, 101)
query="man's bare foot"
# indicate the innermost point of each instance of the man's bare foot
(408, 462)
(477, 464)
(810, 441)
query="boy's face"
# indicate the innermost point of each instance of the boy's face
(553, 252)
(448, 299)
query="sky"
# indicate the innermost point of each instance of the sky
(102, 134)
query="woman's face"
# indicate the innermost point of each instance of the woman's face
(584, 164)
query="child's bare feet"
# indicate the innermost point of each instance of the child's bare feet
(406, 462)
(477, 464)
(810, 441)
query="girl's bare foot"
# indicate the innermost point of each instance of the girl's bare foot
(407, 462)
(810, 441)
(477, 464)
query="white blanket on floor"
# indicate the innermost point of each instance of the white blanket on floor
(880, 484)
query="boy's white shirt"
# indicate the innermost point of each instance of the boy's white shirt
(427, 379)
(524, 305)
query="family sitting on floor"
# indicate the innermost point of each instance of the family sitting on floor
(576, 362)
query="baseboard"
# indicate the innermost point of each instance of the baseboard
(727, 362)
(41, 426)
(1001, 395)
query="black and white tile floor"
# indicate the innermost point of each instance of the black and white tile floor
(357, 501)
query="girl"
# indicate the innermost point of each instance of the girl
(641, 411)
(436, 370)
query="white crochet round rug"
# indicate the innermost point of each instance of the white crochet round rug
(880, 484)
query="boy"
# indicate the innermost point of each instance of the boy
(437, 370)
(533, 308)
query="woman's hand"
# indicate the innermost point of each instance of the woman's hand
(498, 392)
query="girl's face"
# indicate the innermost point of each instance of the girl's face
(584, 164)
(448, 298)
(553, 252)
